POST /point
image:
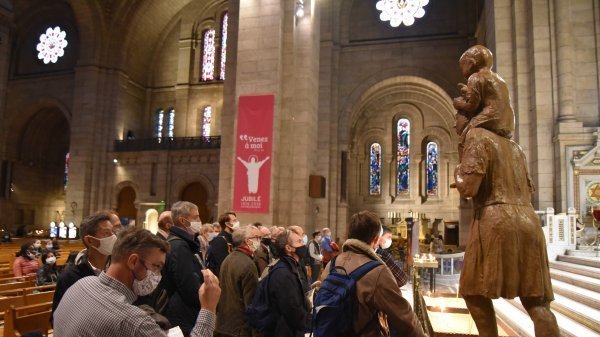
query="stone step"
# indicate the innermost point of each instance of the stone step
(568, 327)
(576, 269)
(582, 253)
(581, 281)
(578, 312)
(590, 262)
(584, 296)
(517, 320)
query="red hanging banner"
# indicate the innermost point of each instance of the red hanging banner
(254, 141)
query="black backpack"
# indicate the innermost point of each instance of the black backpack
(259, 313)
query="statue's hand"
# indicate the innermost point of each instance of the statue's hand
(463, 89)
(458, 103)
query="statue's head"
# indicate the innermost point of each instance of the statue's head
(461, 121)
(474, 59)
(253, 159)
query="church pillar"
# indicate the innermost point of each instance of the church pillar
(93, 117)
(274, 52)
(5, 43)
(565, 53)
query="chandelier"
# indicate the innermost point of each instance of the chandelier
(399, 12)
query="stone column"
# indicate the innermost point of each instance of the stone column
(273, 52)
(565, 51)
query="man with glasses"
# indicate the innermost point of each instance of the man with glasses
(103, 305)
(182, 273)
(239, 278)
(286, 293)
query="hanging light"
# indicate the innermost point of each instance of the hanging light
(299, 8)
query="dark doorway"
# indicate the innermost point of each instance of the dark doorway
(126, 203)
(196, 194)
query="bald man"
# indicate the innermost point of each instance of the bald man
(165, 221)
(263, 256)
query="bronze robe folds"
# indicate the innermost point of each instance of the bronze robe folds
(506, 253)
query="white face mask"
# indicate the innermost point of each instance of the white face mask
(387, 244)
(212, 235)
(51, 260)
(305, 239)
(49, 246)
(196, 226)
(147, 285)
(253, 246)
(37, 245)
(235, 225)
(106, 245)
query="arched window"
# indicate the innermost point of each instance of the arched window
(403, 132)
(171, 124)
(432, 168)
(208, 55)
(160, 115)
(66, 175)
(375, 170)
(206, 121)
(223, 44)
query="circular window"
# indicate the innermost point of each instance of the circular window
(52, 45)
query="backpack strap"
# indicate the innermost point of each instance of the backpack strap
(361, 271)
(332, 264)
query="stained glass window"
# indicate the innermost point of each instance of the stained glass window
(208, 55)
(160, 115)
(375, 170)
(206, 121)
(432, 168)
(399, 12)
(224, 45)
(52, 45)
(66, 175)
(171, 124)
(403, 131)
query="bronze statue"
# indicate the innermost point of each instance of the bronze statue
(506, 253)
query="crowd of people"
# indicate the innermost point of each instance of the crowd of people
(27, 261)
(212, 279)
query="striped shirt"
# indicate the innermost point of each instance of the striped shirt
(395, 267)
(101, 306)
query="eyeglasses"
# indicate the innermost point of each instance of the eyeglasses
(155, 267)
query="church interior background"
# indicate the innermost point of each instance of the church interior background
(131, 105)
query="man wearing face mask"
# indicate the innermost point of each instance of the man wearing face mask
(263, 256)
(238, 278)
(314, 250)
(102, 305)
(378, 297)
(286, 293)
(385, 242)
(96, 232)
(222, 244)
(182, 276)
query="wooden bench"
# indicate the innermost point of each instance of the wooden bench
(28, 290)
(24, 300)
(30, 318)
(4, 280)
(17, 285)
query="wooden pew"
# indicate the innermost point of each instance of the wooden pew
(28, 319)
(14, 279)
(28, 290)
(24, 300)
(17, 285)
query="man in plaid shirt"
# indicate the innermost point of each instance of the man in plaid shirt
(395, 267)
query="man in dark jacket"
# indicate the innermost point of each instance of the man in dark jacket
(222, 244)
(96, 232)
(182, 274)
(286, 294)
(238, 281)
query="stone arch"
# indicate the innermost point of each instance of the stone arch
(16, 123)
(119, 186)
(399, 89)
(196, 193)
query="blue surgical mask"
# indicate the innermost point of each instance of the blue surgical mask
(305, 239)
